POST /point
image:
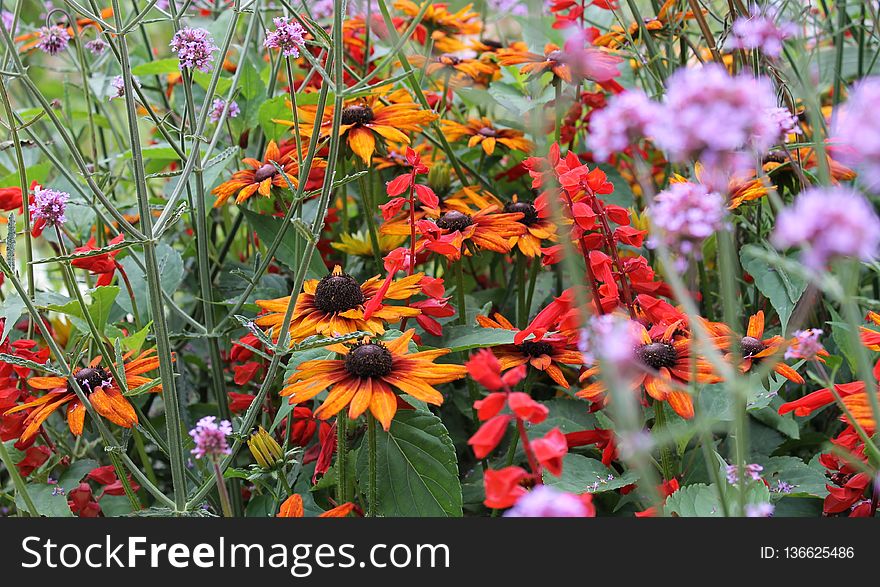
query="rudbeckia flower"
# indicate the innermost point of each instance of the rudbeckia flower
(96, 382)
(365, 119)
(464, 200)
(442, 25)
(260, 176)
(544, 354)
(359, 243)
(366, 376)
(450, 234)
(459, 70)
(335, 305)
(755, 349)
(537, 229)
(481, 131)
(666, 364)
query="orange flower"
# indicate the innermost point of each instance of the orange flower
(464, 201)
(740, 189)
(442, 25)
(754, 349)
(366, 376)
(335, 305)
(260, 176)
(365, 119)
(485, 230)
(537, 229)
(482, 132)
(545, 354)
(552, 60)
(459, 70)
(96, 382)
(292, 507)
(616, 35)
(667, 364)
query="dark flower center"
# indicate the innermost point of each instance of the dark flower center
(338, 293)
(448, 59)
(487, 132)
(368, 359)
(265, 172)
(657, 355)
(454, 220)
(358, 114)
(492, 43)
(91, 379)
(536, 348)
(556, 56)
(527, 209)
(750, 347)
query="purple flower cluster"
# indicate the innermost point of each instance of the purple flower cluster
(210, 437)
(50, 205)
(787, 122)
(806, 345)
(217, 110)
(6, 19)
(626, 119)
(759, 510)
(721, 120)
(288, 36)
(685, 214)
(610, 338)
(118, 85)
(858, 132)
(195, 48)
(52, 39)
(546, 502)
(753, 471)
(97, 46)
(762, 31)
(829, 222)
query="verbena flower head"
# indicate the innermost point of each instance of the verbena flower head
(118, 85)
(546, 502)
(829, 222)
(718, 119)
(858, 132)
(52, 39)
(49, 206)
(753, 471)
(761, 30)
(626, 119)
(288, 36)
(759, 510)
(6, 19)
(97, 46)
(806, 345)
(609, 337)
(685, 214)
(787, 122)
(210, 437)
(217, 109)
(195, 48)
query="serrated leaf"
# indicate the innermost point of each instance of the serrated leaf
(267, 227)
(417, 468)
(465, 338)
(782, 289)
(581, 474)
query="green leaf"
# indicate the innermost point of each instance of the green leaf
(582, 474)
(417, 468)
(806, 481)
(782, 289)
(134, 342)
(695, 501)
(465, 338)
(50, 500)
(10, 310)
(276, 108)
(73, 475)
(99, 306)
(170, 276)
(158, 67)
(288, 253)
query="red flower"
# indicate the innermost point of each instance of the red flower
(603, 439)
(103, 265)
(82, 502)
(489, 435)
(33, 458)
(550, 450)
(503, 487)
(526, 408)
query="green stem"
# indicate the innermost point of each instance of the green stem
(372, 482)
